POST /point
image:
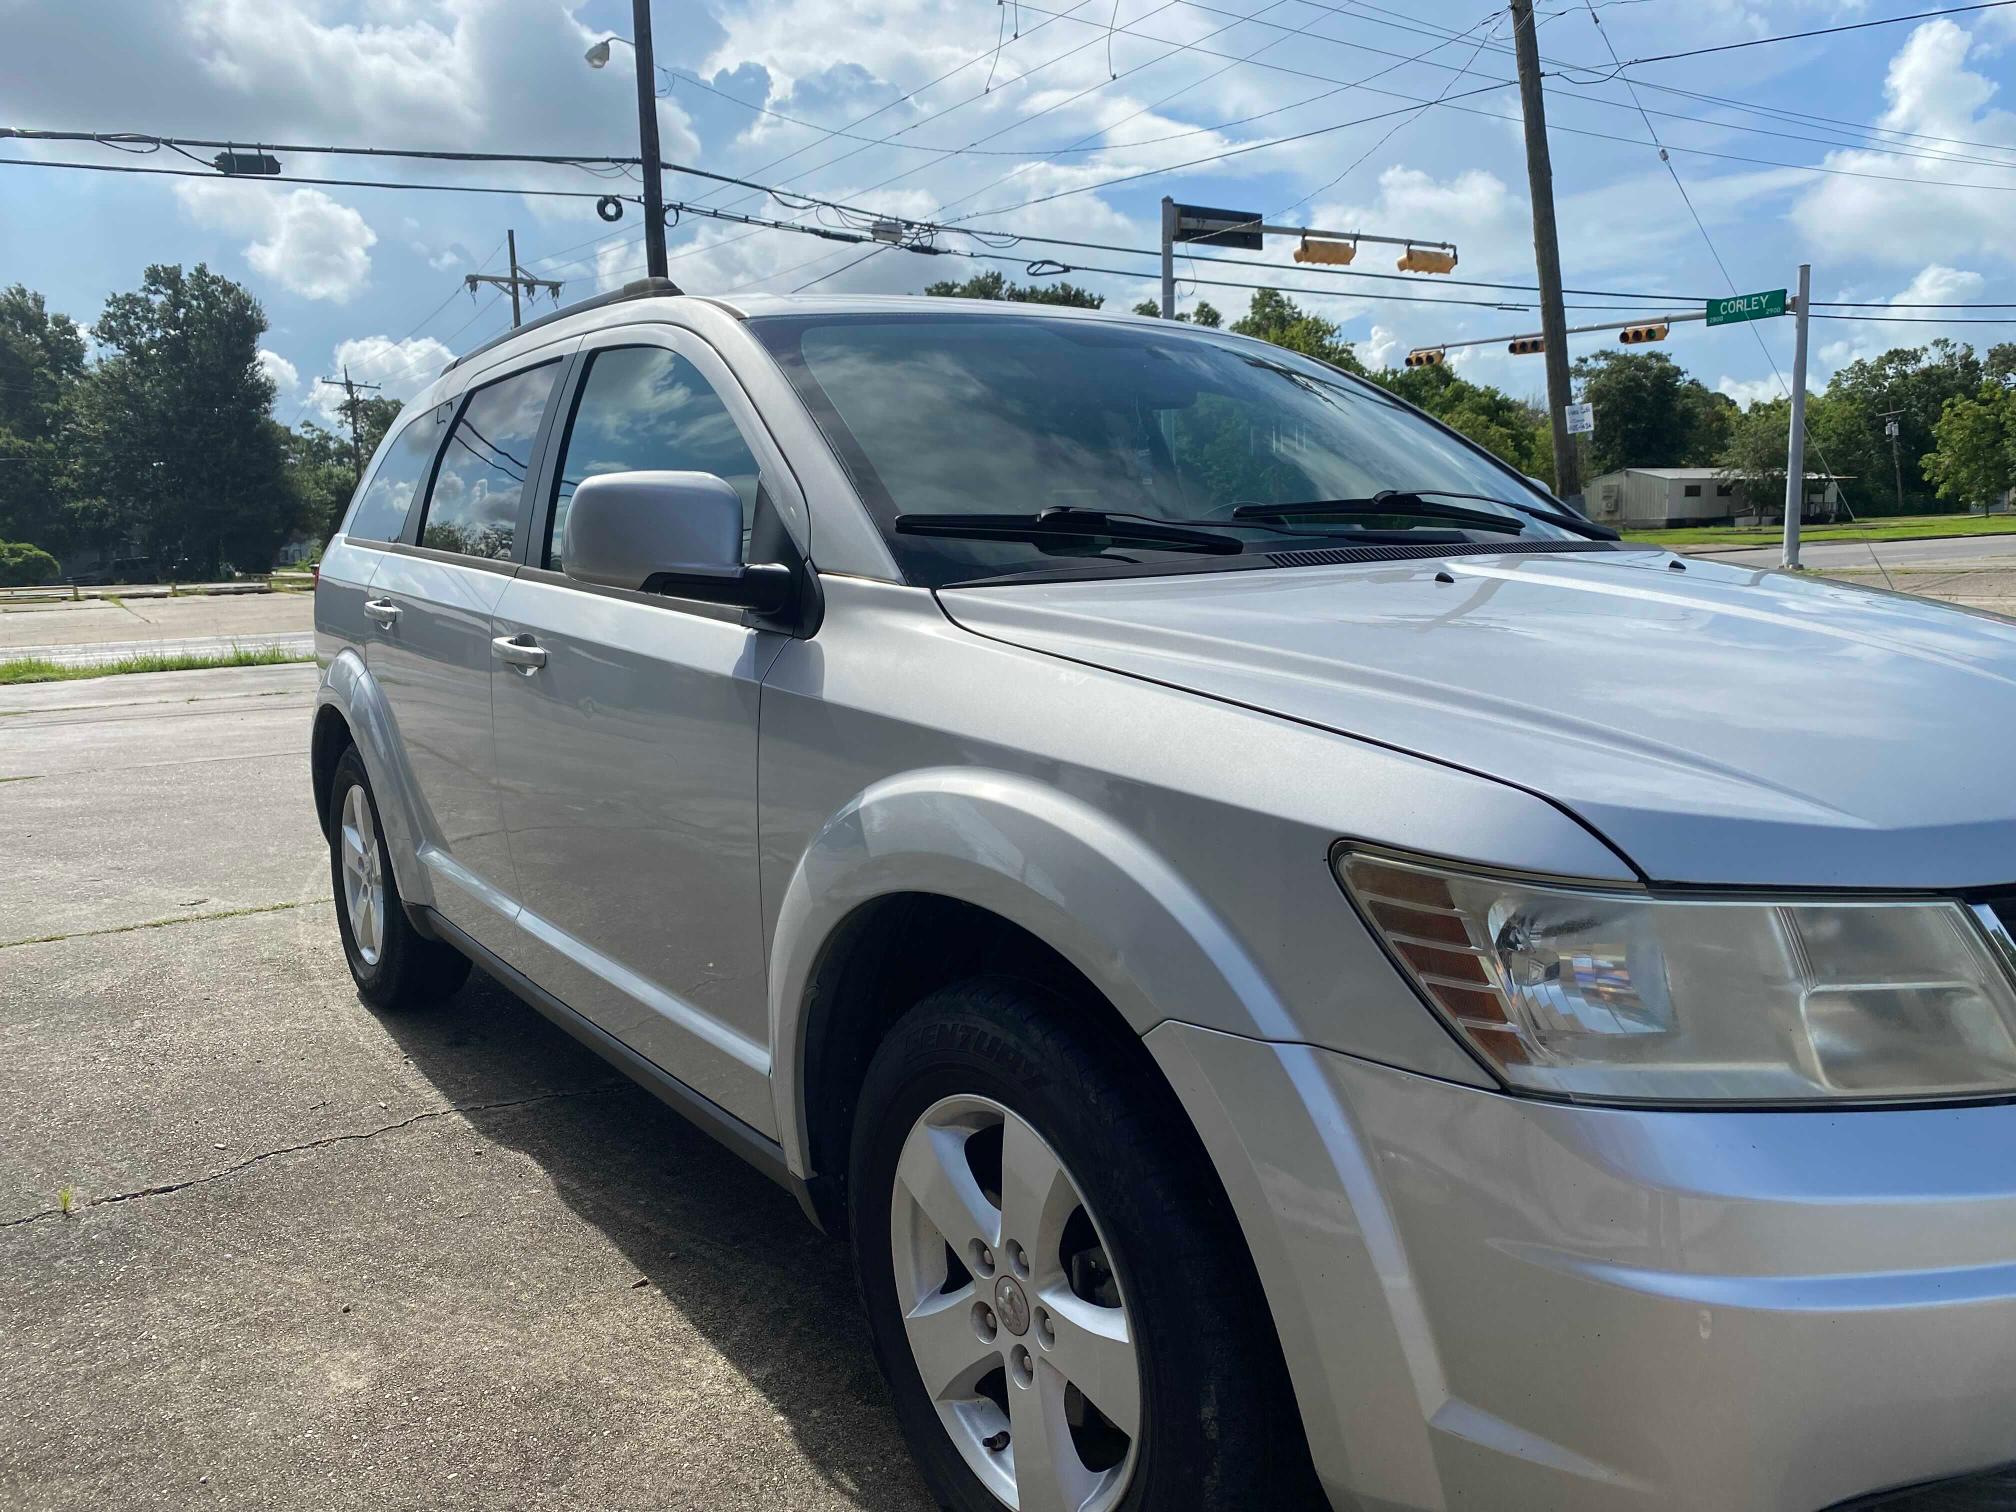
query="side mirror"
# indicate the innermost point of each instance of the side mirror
(677, 533)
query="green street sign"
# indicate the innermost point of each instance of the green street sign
(1746, 307)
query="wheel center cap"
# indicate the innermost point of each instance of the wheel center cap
(1011, 1305)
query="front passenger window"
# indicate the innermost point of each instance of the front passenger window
(644, 409)
(480, 485)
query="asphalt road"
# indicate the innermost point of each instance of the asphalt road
(1962, 551)
(320, 1258)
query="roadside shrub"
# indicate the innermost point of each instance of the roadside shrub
(25, 566)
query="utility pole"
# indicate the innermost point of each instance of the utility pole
(1890, 429)
(515, 282)
(1546, 251)
(353, 409)
(647, 139)
(1795, 440)
(1168, 258)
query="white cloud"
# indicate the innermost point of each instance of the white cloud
(303, 240)
(1934, 283)
(285, 376)
(1377, 347)
(1748, 391)
(1912, 213)
(400, 368)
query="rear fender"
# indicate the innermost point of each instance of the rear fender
(349, 687)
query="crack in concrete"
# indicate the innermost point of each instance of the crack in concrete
(165, 1188)
(169, 923)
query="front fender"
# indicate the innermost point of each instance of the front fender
(349, 688)
(1064, 871)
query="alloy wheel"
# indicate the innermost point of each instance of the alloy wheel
(363, 875)
(1013, 1312)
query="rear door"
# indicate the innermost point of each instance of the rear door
(432, 603)
(627, 757)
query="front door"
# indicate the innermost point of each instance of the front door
(431, 653)
(627, 754)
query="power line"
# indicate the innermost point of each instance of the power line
(285, 178)
(1553, 127)
(1824, 31)
(124, 140)
(758, 224)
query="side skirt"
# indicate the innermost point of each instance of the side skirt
(761, 1151)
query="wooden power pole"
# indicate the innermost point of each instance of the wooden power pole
(353, 411)
(514, 282)
(1546, 251)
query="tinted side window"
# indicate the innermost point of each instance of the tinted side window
(398, 479)
(644, 409)
(477, 493)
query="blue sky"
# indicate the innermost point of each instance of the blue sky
(1913, 120)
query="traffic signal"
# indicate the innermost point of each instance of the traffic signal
(1519, 346)
(1427, 260)
(1426, 357)
(1319, 251)
(1632, 335)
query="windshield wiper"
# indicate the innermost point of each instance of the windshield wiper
(1388, 501)
(1065, 525)
(1552, 516)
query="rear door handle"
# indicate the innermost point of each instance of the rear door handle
(521, 651)
(382, 610)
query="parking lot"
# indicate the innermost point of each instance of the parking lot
(317, 1258)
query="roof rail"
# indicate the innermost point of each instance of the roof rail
(638, 288)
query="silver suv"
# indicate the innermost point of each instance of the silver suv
(1306, 971)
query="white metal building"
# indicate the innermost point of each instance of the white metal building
(1654, 498)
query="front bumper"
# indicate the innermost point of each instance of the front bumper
(1494, 1302)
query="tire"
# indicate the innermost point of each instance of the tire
(395, 967)
(1136, 1249)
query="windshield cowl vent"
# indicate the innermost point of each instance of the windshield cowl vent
(1341, 556)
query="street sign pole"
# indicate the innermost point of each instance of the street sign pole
(1795, 441)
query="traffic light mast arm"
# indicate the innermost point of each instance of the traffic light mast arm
(1608, 325)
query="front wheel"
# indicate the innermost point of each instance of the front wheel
(1056, 1287)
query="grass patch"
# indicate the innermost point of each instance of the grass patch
(1899, 528)
(35, 669)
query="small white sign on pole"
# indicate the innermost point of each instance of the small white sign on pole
(1581, 419)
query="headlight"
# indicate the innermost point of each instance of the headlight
(1617, 996)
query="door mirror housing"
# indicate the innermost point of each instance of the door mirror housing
(676, 533)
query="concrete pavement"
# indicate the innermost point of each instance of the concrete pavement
(99, 630)
(319, 1258)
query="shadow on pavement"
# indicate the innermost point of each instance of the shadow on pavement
(725, 1245)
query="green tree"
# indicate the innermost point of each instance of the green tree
(1649, 413)
(1973, 458)
(1206, 313)
(175, 428)
(994, 285)
(25, 566)
(1273, 316)
(1915, 384)
(1511, 429)
(41, 362)
(320, 475)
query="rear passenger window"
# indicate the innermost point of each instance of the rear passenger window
(398, 479)
(473, 509)
(644, 409)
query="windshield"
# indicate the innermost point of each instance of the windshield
(990, 414)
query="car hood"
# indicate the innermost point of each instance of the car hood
(1718, 725)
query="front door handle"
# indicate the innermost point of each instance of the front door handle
(384, 611)
(520, 651)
